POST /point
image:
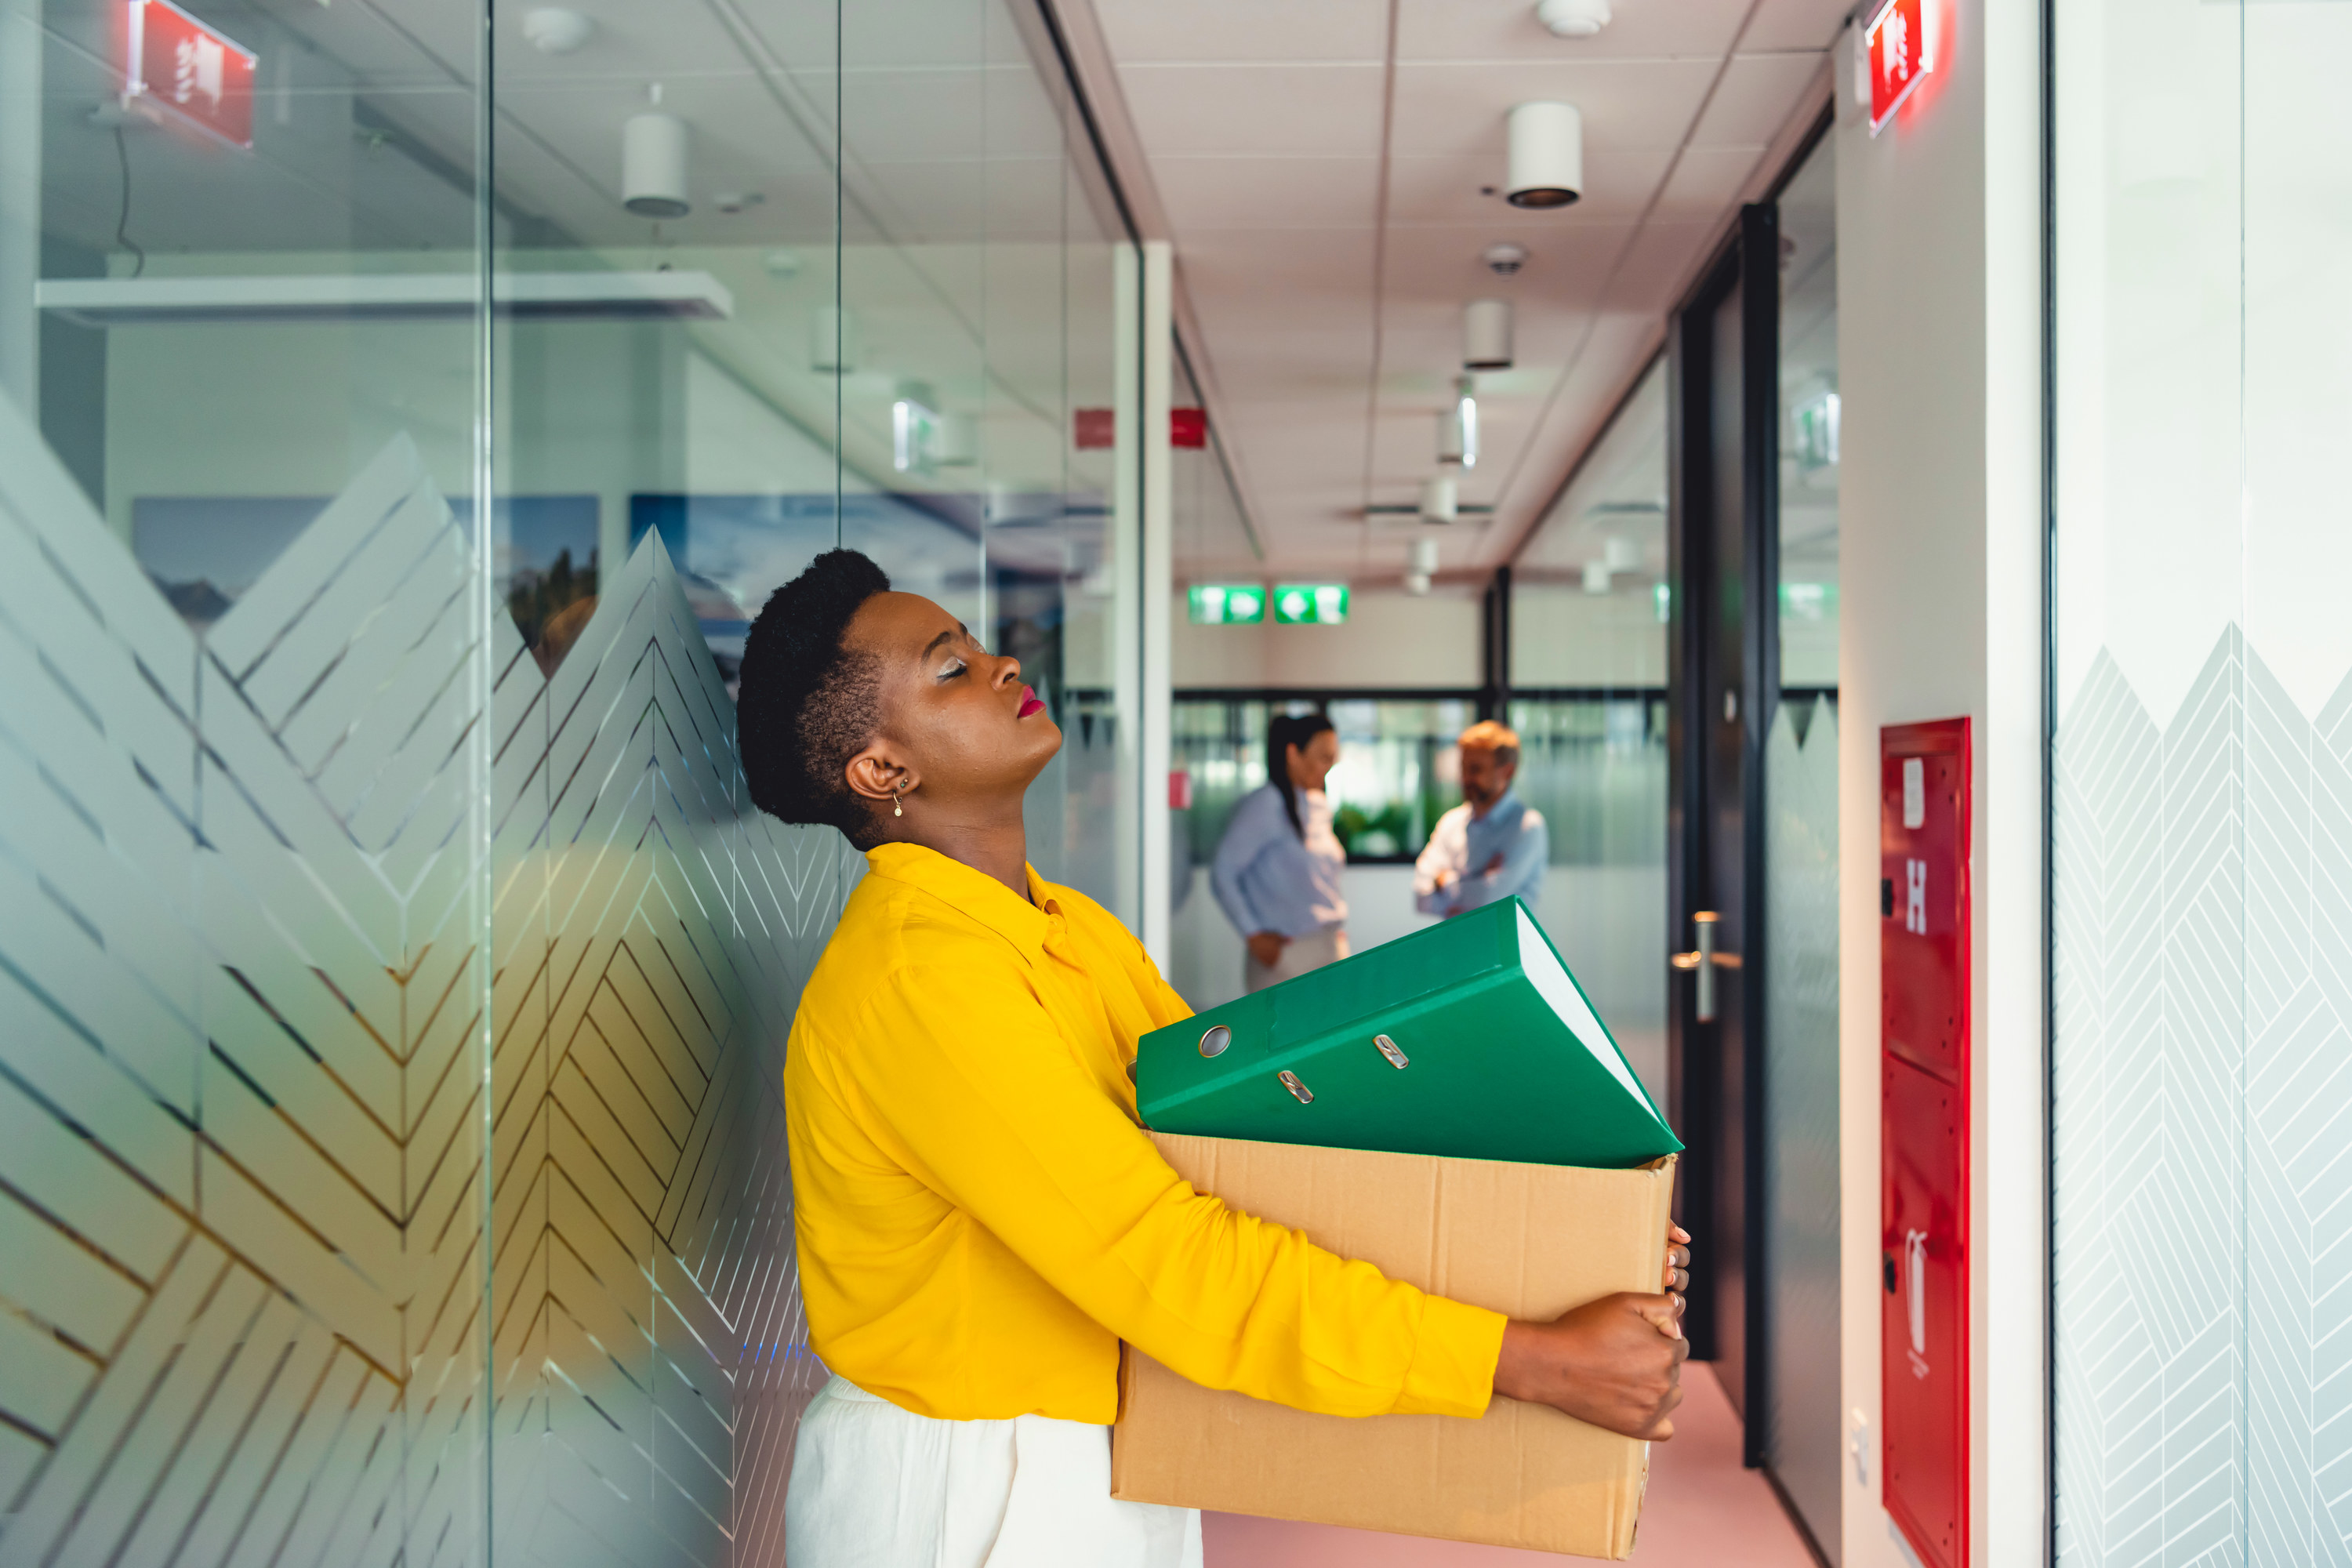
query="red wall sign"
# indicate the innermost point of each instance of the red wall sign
(1922, 972)
(1900, 53)
(1096, 429)
(181, 70)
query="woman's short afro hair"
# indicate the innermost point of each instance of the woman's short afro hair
(805, 702)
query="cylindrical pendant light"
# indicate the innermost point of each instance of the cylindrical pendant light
(1439, 500)
(832, 339)
(1486, 334)
(1596, 576)
(1546, 166)
(653, 166)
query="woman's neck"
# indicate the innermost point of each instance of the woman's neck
(994, 844)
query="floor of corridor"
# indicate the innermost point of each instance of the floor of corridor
(1703, 1511)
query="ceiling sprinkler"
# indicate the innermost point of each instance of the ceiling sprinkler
(1504, 258)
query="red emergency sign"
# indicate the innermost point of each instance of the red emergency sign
(181, 70)
(1899, 54)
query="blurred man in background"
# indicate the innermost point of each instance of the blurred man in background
(1492, 846)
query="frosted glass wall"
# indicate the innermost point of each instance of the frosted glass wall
(2204, 787)
(393, 974)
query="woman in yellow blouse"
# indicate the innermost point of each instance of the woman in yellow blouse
(980, 1220)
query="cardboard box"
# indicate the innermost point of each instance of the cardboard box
(1529, 1240)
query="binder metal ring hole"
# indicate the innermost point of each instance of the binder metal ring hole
(1298, 1091)
(1214, 1040)
(1396, 1058)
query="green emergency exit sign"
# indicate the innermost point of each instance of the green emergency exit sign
(1310, 604)
(1227, 604)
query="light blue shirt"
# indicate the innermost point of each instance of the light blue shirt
(1269, 878)
(1465, 844)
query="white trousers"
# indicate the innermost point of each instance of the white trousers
(877, 1486)
(1299, 955)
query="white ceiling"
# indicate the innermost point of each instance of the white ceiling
(1320, 166)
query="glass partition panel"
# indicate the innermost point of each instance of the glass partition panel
(243, 674)
(1588, 674)
(1803, 1422)
(393, 974)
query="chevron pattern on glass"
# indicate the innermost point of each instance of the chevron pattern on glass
(241, 1156)
(653, 932)
(2204, 983)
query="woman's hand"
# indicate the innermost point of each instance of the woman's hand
(1266, 946)
(1678, 1256)
(1615, 1363)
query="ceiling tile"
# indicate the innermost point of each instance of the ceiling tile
(1796, 25)
(1706, 182)
(1507, 30)
(1257, 109)
(1140, 30)
(1758, 95)
(1267, 192)
(1458, 110)
(1658, 268)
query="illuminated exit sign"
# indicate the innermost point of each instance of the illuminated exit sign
(1227, 604)
(181, 70)
(1898, 54)
(1310, 604)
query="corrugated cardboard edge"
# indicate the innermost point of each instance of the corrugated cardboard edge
(1616, 1537)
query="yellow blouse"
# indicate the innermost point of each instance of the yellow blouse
(981, 1220)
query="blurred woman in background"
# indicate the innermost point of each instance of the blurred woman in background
(1277, 867)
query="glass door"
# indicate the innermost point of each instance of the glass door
(1752, 1012)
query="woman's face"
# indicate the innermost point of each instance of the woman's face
(958, 726)
(1311, 763)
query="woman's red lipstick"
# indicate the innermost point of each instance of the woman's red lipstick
(1029, 703)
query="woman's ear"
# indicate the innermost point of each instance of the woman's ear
(874, 774)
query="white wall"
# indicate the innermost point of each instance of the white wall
(1390, 638)
(1940, 527)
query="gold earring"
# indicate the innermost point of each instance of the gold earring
(897, 806)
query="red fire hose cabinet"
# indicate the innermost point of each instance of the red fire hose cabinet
(1924, 910)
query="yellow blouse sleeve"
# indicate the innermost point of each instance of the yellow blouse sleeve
(984, 1102)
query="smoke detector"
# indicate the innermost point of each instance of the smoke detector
(1573, 19)
(554, 30)
(1504, 258)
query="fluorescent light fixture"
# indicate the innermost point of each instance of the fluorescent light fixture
(914, 437)
(1817, 432)
(396, 297)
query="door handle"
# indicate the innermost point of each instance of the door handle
(1705, 961)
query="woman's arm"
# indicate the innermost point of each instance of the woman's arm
(1246, 837)
(968, 1084)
